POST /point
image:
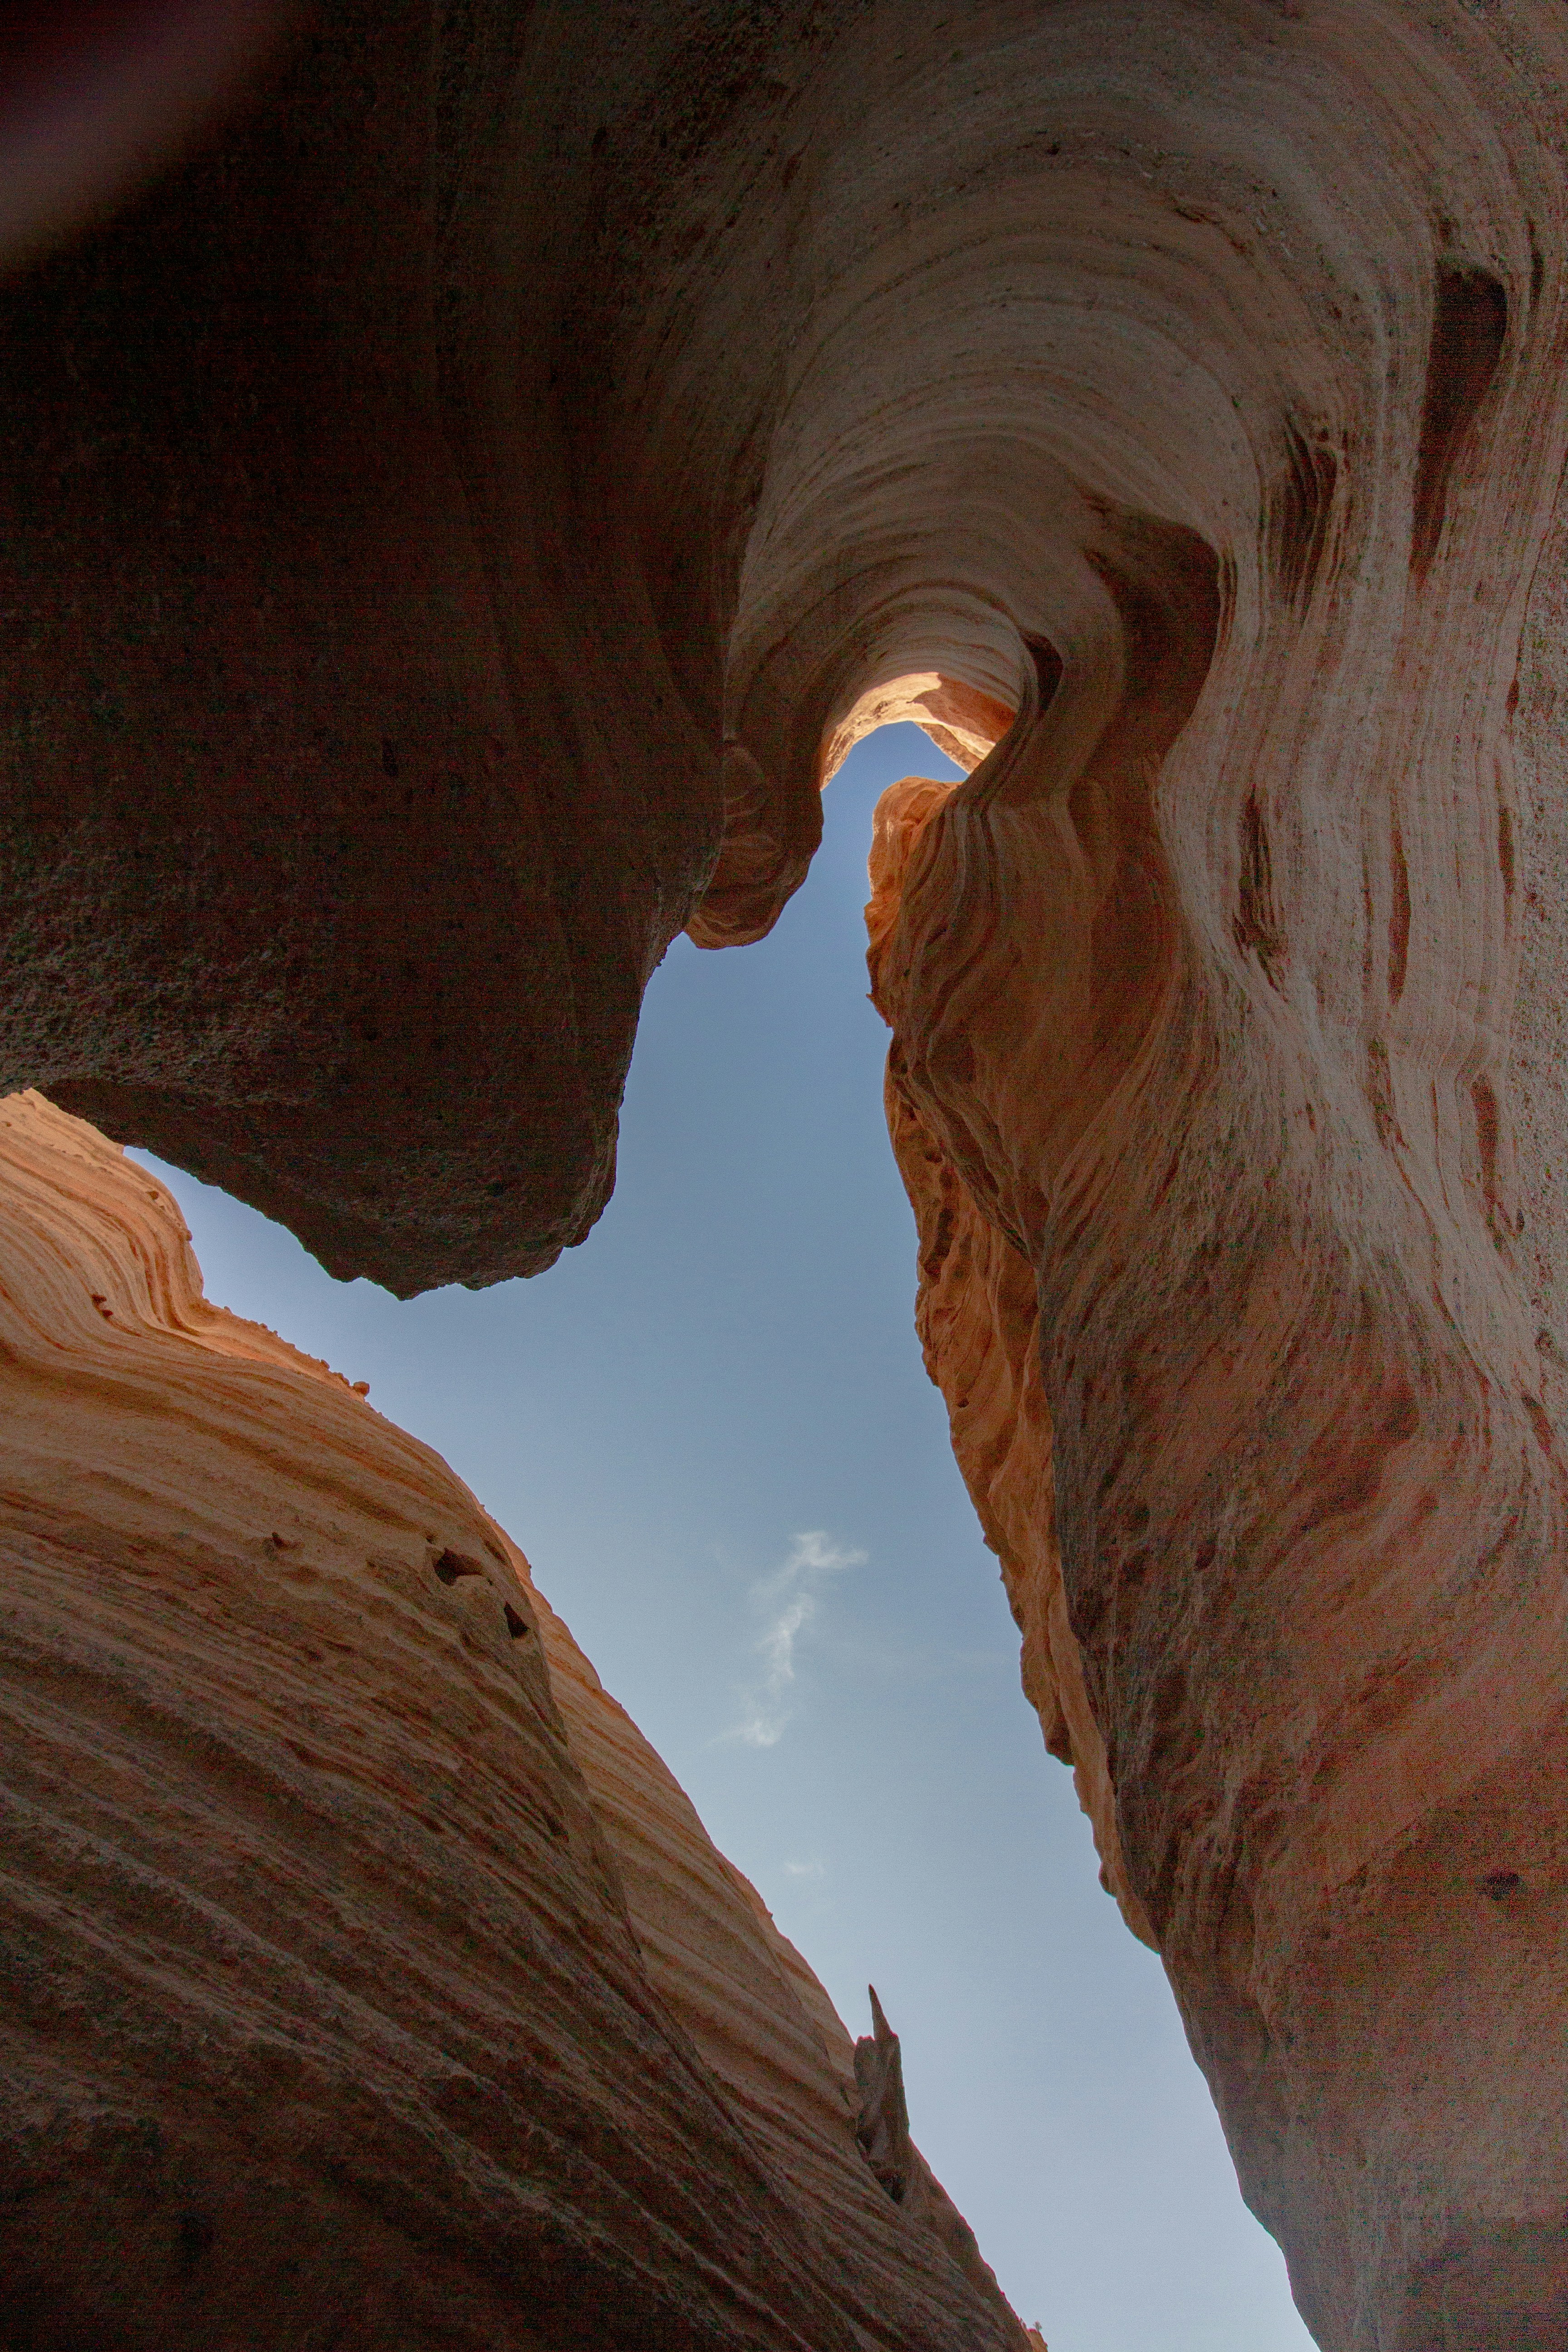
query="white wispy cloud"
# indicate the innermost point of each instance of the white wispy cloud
(791, 1595)
(805, 1870)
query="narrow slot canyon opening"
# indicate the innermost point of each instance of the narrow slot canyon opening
(467, 489)
(711, 1431)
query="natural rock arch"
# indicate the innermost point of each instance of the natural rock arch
(450, 526)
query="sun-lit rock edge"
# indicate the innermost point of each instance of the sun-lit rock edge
(978, 1322)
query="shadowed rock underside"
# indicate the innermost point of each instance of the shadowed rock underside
(450, 528)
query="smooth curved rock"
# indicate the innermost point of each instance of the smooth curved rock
(365, 1978)
(1213, 1030)
(450, 531)
(979, 1324)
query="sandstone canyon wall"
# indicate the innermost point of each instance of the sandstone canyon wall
(365, 1979)
(450, 528)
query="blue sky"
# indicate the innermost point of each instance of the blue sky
(711, 1431)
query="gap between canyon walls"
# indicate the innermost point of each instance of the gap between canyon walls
(452, 526)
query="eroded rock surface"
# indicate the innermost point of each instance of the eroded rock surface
(979, 1323)
(450, 530)
(1206, 1007)
(365, 1978)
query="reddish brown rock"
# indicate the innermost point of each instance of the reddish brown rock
(1251, 1186)
(347, 792)
(451, 528)
(364, 1977)
(979, 1325)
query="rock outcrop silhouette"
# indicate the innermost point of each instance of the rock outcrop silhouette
(452, 523)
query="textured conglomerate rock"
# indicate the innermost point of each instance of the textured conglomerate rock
(365, 1979)
(450, 528)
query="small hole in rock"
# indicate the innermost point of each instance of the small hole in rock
(452, 1564)
(518, 1627)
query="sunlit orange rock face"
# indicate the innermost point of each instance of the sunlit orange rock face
(366, 1980)
(450, 530)
(1226, 1084)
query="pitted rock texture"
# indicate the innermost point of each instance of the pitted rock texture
(365, 1979)
(450, 531)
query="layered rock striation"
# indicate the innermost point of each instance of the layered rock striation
(365, 1978)
(451, 527)
(1205, 994)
